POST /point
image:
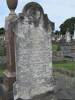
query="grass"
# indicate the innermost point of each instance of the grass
(55, 47)
(2, 68)
(66, 65)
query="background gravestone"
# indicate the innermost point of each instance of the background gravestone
(33, 52)
(68, 49)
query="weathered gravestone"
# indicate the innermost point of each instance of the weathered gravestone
(68, 49)
(33, 53)
(68, 36)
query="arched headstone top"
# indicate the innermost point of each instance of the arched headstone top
(34, 14)
(33, 11)
(33, 6)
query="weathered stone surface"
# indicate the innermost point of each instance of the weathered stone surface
(33, 54)
(68, 50)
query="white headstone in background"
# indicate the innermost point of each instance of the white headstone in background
(33, 53)
(74, 35)
(68, 36)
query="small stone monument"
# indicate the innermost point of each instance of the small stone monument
(68, 36)
(74, 33)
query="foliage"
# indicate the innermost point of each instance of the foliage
(2, 30)
(55, 47)
(57, 32)
(69, 65)
(68, 24)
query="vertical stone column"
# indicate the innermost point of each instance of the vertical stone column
(10, 53)
(10, 75)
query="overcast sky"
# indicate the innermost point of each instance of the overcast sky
(57, 10)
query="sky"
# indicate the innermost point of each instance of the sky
(57, 10)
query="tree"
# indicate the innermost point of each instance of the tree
(68, 24)
(2, 30)
(57, 32)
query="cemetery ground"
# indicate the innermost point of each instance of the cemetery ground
(63, 75)
(64, 63)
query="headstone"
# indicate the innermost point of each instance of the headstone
(68, 36)
(33, 53)
(74, 35)
(68, 49)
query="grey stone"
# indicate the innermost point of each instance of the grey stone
(33, 52)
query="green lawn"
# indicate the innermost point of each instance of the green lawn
(67, 65)
(55, 47)
(2, 68)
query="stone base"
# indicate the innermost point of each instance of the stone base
(46, 96)
(9, 79)
(26, 93)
